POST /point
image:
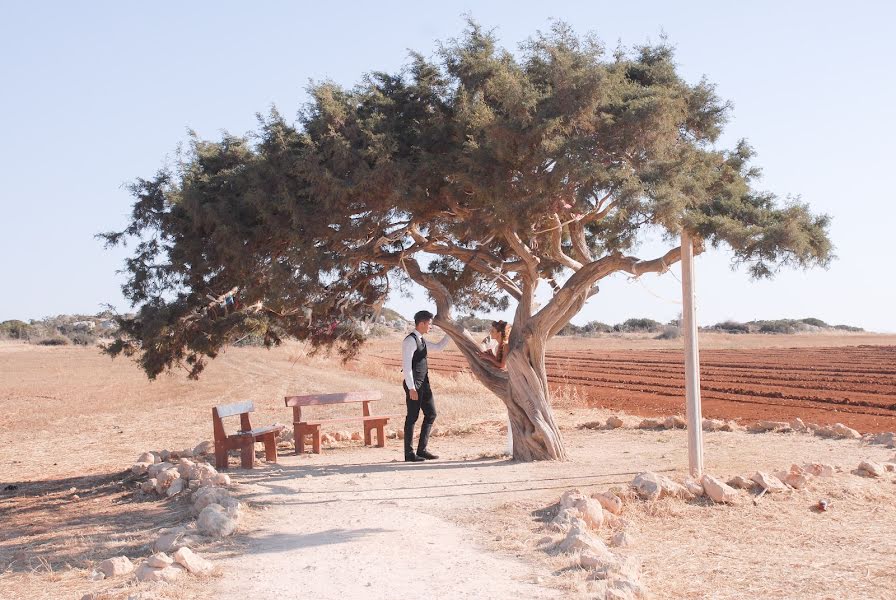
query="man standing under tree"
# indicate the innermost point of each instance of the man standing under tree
(417, 393)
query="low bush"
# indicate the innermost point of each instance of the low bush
(670, 332)
(56, 340)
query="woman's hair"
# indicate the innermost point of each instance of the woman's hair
(503, 328)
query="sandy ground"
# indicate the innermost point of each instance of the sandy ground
(470, 525)
(353, 522)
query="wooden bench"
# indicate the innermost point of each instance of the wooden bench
(244, 439)
(312, 428)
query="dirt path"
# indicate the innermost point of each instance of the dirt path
(370, 530)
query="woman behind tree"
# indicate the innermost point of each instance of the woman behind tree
(496, 352)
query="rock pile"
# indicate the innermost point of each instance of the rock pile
(581, 518)
(184, 473)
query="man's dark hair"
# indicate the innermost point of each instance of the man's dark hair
(422, 315)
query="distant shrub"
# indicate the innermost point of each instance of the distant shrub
(778, 326)
(16, 330)
(570, 329)
(648, 325)
(57, 340)
(815, 322)
(732, 327)
(848, 328)
(670, 332)
(596, 327)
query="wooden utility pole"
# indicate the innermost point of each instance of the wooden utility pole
(691, 358)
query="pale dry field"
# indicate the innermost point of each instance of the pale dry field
(72, 421)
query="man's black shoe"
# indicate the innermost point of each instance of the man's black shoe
(427, 455)
(412, 458)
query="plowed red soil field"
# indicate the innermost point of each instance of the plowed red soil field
(854, 385)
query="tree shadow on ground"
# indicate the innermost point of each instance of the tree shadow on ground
(77, 521)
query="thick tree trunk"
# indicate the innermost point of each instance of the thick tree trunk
(535, 435)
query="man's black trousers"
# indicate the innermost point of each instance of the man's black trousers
(427, 404)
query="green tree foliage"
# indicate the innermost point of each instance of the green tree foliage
(15, 330)
(507, 169)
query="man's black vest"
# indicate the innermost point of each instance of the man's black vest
(418, 362)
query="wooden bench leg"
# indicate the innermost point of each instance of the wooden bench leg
(380, 436)
(270, 447)
(300, 440)
(315, 440)
(247, 452)
(367, 430)
(220, 456)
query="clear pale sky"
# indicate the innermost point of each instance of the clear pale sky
(97, 94)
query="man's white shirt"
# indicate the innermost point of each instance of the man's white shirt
(408, 347)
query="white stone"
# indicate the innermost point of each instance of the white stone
(609, 501)
(819, 469)
(766, 426)
(159, 560)
(720, 492)
(740, 482)
(614, 422)
(798, 425)
(185, 467)
(842, 431)
(887, 439)
(192, 562)
(566, 519)
(176, 487)
(149, 486)
(694, 487)
(796, 480)
(113, 567)
(164, 455)
(209, 495)
(597, 556)
(651, 486)
(650, 424)
(204, 473)
(717, 425)
(675, 422)
(587, 509)
(158, 467)
(222, 479)
(205, 447)
(169, 540)
(871, 468)
(580, 539)
(185, 453)
(769, 482)
(166, 574)
(214, 521)
(167, 476)
(569, 498)
(140, 468)
(592, 512)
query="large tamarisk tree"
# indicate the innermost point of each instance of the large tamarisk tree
(480, 175)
